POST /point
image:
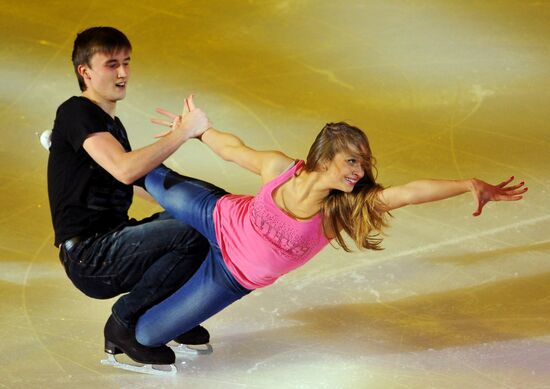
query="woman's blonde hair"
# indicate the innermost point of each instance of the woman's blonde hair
(356, 212)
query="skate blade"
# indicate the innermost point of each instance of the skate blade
(200, 349)
(145, 369)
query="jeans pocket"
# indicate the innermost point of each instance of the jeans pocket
(87, 272)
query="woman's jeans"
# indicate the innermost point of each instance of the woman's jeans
(212, 287)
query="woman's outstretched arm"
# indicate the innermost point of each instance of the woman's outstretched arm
(268, 164)
(425, 191)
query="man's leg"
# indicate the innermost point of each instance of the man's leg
(150, 260)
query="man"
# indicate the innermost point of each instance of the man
(91, 169)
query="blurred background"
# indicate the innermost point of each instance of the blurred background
(443, 90)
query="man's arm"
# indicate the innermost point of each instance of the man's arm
(127, 167)
(424, 191)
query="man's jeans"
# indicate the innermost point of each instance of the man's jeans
(149, 260)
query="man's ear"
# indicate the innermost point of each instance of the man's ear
(83, 71)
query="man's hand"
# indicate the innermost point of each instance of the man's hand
(192, 122)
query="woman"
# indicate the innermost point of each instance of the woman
(300, 208)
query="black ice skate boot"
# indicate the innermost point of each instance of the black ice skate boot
(197, 336)
(120, 339)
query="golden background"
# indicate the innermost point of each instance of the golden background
(443, 89)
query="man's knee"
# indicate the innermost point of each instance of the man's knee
(191, 241)
(202, 245)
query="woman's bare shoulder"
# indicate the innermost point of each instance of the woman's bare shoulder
(277, 163)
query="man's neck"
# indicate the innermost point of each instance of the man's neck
(108, 106)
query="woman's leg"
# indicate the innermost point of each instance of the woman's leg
(208, 291)
(187, 199)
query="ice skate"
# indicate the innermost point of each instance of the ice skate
(193, 342)
(121, 340)
(46, 139)
(161, 370)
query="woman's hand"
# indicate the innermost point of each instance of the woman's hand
(192, 122)
(484, 192)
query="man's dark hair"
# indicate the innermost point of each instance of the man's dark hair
(96, 40)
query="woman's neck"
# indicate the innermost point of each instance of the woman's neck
(308, 187)
(303, 194)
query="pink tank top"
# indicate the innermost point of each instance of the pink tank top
(258, 241)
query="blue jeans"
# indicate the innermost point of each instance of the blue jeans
(212, 287)
(149, 259)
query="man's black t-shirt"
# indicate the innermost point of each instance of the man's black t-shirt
(84, 198)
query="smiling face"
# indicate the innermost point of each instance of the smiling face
(344, 171)
(341, 154)
(106, 76)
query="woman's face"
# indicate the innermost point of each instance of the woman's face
(344, 170)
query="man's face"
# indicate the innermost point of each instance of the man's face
(107, 76)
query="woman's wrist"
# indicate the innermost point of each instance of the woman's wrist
(471, 184)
